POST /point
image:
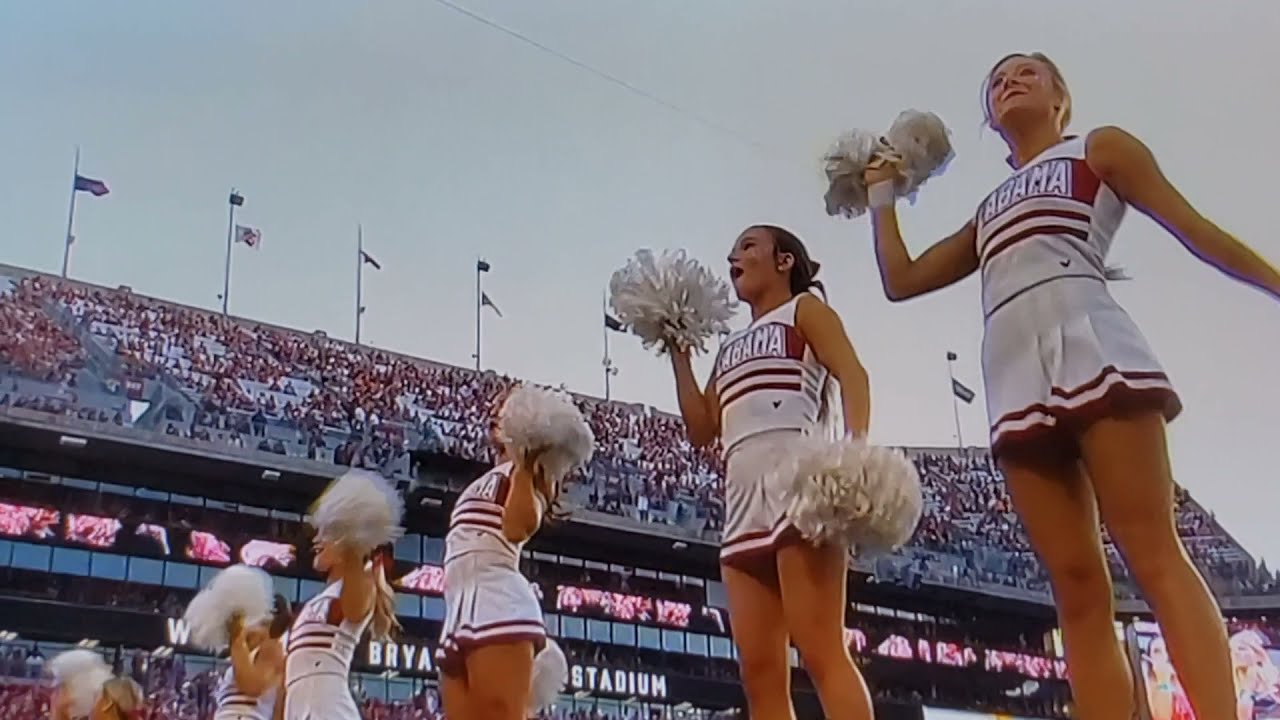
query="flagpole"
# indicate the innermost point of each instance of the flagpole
(359, 278)
(226, 271)
(71, 217)
(479, 303)
(955, 402)
(608, 361)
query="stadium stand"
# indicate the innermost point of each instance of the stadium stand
(165, 371)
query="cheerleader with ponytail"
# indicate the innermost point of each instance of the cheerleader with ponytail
(495, 659)
(85, 689)
(356, 516)
(236, 614)
(802, 487)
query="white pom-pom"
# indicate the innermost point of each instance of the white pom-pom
(80, 675)
(545, 421)
(922, 146)
(361, 509)
(670, 299)
(239, 590)
(844, 165)
(550, 673)
(850, 493)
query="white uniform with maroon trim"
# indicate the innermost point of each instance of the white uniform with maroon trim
(1058, 350)
(770, 388)
(486, 598)
(235, 705)
(321, 646)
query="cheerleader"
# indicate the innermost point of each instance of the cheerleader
(358, 513)
(768, 384)
(1076, 399)
(248, 688)
(496, 662)
(86, 689)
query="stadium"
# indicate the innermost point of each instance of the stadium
(146, 444)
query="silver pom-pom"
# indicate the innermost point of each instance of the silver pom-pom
(921, 147)
(240, 590)
(844, 165)
(850, 493)
(79, 675)
(917, 144)
(361, 510)
(550, 673)
(670, 300)
(544, 421)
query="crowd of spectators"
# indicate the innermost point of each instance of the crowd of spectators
(251, 385)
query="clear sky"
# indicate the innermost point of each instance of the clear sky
(449, 139)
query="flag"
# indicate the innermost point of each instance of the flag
(484, 300)
(236, 199)
(482, 266)
(613, 323)
(96, 188)
(961, 391)
(249, 236)
(951, 356)
(368, 259)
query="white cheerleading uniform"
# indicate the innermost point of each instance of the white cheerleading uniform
(770, 387)
(1058, 351)
(486, 598)
(321, 646)
(232, 704)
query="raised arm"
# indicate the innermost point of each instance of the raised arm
(948, 261)
(822, 329)
(699, 407)
(255, 675)
(1128, 167)
(524, 506)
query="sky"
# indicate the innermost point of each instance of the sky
(620, 125)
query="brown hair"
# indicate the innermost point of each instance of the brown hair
(1059, 82)
(805, 270)
(124, 697)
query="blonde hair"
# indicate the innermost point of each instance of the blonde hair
(1059, 81)
(124, 697)
(384, 620)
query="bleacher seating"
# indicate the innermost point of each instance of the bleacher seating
(115, 357)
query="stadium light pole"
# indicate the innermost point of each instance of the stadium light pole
(610, 369)
(955, 401)
(234, 201)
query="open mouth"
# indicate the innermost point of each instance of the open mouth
(735, 272)
(1013, 93)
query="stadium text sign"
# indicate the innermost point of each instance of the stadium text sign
(404, 657)
(617, 682)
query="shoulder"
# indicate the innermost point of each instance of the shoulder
(1110, 149)
(813, 311)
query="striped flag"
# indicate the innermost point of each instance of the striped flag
(249, 236)
(96, 188)
(368, 259)
(486, 300)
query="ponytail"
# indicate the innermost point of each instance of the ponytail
(384, 598)
(124, 697)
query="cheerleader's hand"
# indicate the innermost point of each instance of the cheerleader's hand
(235, 626)
(882, 169)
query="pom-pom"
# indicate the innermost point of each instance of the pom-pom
(850, 493)
(670, 300)
(80, 675)
(550, 673)
(361, 510)
(239, 591)
(922, 148)
(546, 422)
(844, 165)
(917, 144)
